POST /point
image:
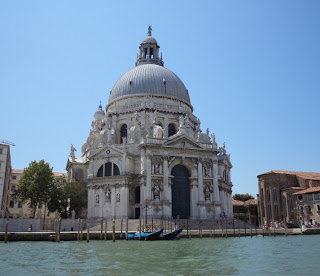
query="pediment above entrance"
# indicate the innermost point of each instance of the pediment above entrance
(107, 151)
(182, 141)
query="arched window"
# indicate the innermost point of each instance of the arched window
(108, 169)
(116, 170)
(123, 132)
(100, 172)
(171, 130)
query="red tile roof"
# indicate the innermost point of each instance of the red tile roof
(308, 191)
(293, 188)
(55, 173)
(305, 175)
(245, 203)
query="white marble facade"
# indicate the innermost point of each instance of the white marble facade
(148, 149)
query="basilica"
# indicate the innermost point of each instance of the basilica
(147, 151)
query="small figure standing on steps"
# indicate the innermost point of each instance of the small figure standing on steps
(30, 227)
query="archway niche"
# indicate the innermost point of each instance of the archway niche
(180, 192)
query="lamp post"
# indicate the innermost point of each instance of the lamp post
(145, 206)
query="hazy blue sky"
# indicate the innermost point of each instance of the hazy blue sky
(251, 68)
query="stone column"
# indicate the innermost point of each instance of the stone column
(200, 181)
(165, 126)
(90, 203)
(90, 169)
(194, 198)
(148, 180)
(216, 197)
(113, 200)
(165, 178)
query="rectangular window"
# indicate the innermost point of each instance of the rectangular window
(14, 177)
(317, 196)
(11, 204)
(291, 205)
(318, 207)
(0, 151)
(310, 197)
(309, 208)
(13, 188)
(301, 209)
(19, 204)
(300, 197)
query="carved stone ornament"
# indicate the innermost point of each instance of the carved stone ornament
(207, 190)
(171, 159)
(108, 195)
(156, 209)
(157, 187)
(208, 209)
(157, 164)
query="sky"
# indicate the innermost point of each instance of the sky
(251, 69)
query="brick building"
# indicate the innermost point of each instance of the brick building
(278, 196)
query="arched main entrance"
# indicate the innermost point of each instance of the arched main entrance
(180, 192)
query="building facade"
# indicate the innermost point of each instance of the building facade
(281, 194)
(147, 154)
(5, 171)
(17, 209)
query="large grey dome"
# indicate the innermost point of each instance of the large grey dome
(149, 79)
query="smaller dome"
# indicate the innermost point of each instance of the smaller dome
(99, 113)
(149, 39)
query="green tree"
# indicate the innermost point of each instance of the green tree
(242, 197)
(66, 197)
(35, 185)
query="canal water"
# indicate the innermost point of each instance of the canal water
(292, 255)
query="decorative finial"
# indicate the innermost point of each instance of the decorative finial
(149, 30)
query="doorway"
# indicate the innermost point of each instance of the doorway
(180, 192)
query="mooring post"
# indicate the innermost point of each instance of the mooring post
(226, 228)
(214, 228)
(58, 230)
(139, 228)
(274, 230)
(234, 230)
(221, 224)
(152, 224)
(113, 230)
(121, 229)
(105, 230)
(78, 235)
(88, 230)
(101, 229)
(245, 229)
(127, 227)
(200, 235)
(285, 229)
(263, 230)
(81, 231)
(6, 233)
(171, 224)
(211, 228)
(256, 229)
(239, 226)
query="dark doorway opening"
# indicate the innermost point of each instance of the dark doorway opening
(180, 192)
(137, 213)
